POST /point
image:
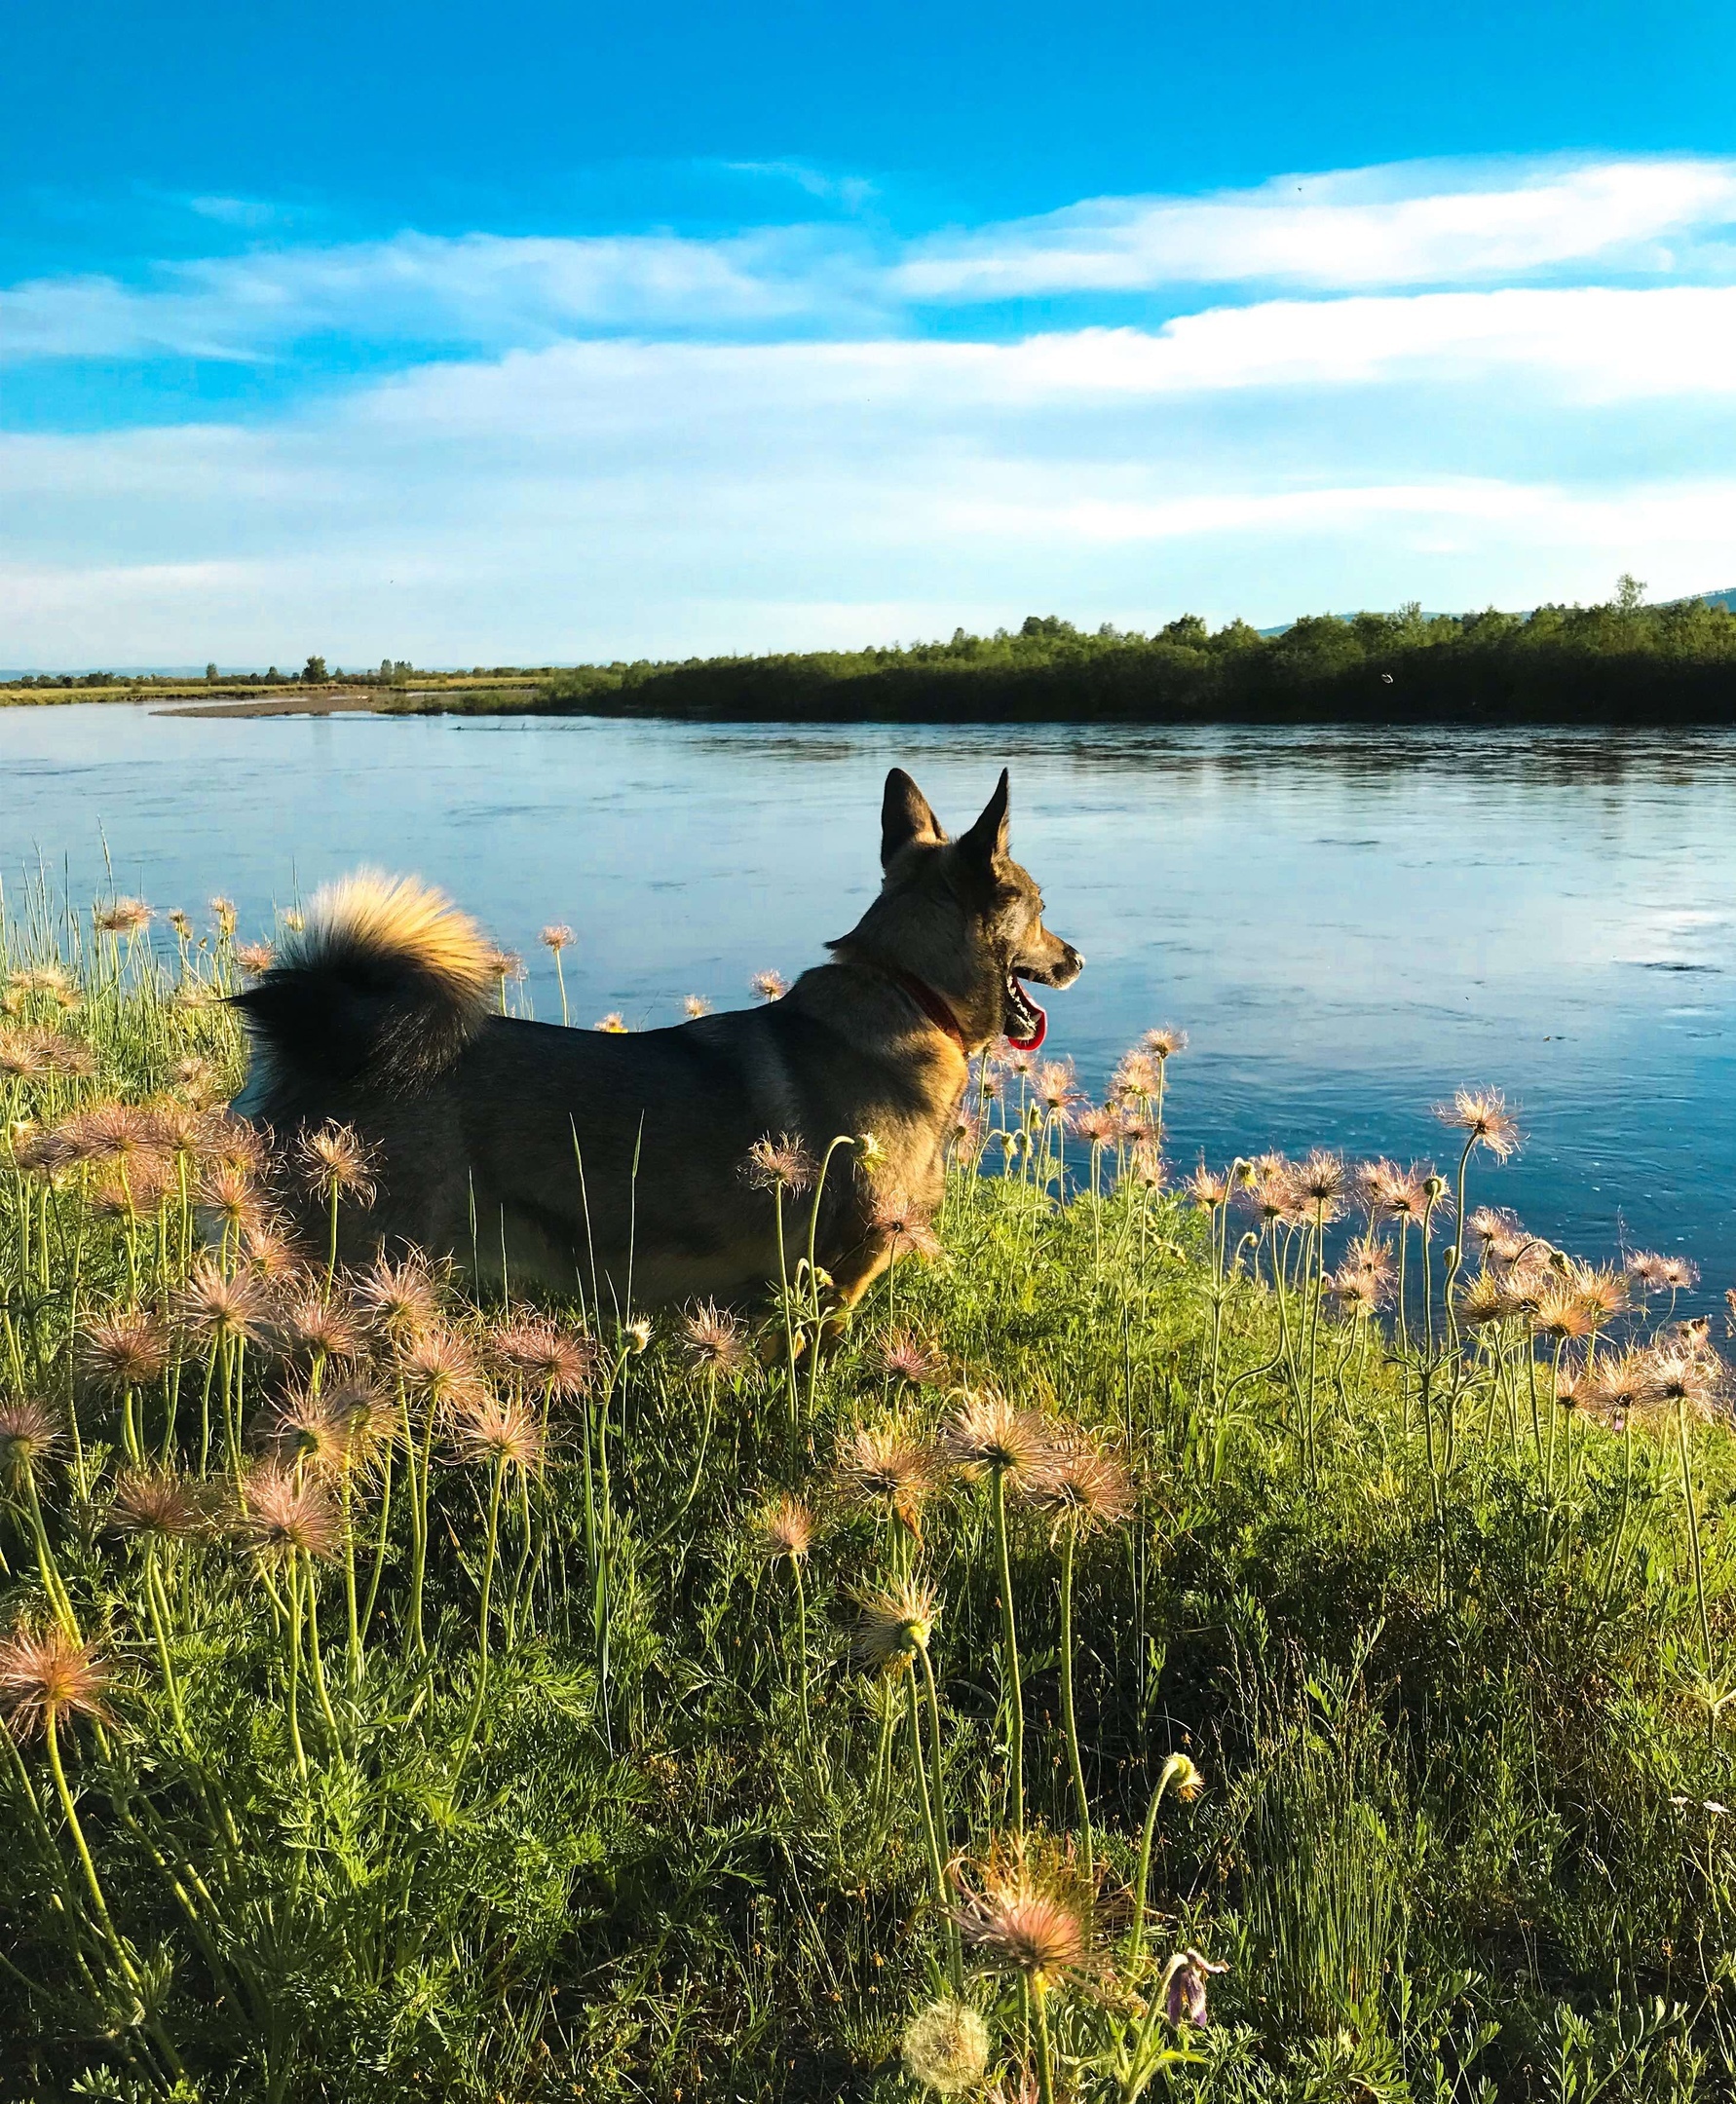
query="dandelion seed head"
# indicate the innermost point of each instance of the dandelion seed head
(946, 2048)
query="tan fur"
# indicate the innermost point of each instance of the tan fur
(612, 1164)
(407, 919)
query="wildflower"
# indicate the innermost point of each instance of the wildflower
(557, 937)
(156, 1505)
(1137, 1078)
(270, 1253)
(335, 1431)
(1055, 1088)
(284, 1515)
(439, 1369)
(1677, 1274)
(1164, 1042)
(1489, 1225)
(503, 964)
(613, 1023)
(397, 1301)
(987, 1432)
(780, 1164)
(1184, 1778)
(28, 1435)
(546, 1356)
(318, 1328)
(1028, 1918)
(1620, 1389)
(1018, 1062)
(1604, 1292)
(118, 1352)
(1321, 1180)
(713, 1340)
(637, 1334)
(1185, 1995)
(223, 911)
(1102, 1125)
(1082, 1485)
(894, 1624)
(216, 1309)
(255, 957)
(178, 919)
(122, 917)
(233, 1143)
(906, 1358)
(946, 2048)
(1269, 1192)
(784, 1527)
(693, 1006)
(336, 1161)
(1484, 1116)
(888, 1465)
(46, 1674)
(497, 1429)
(1207, 1188)
(1564, 1313)
(1145, 1165)
(905, 1227)
(1485, 1299)
(1646, 1270)
(1687, 1378)
(769, 986)
(107, 1132)
(1357, 1287)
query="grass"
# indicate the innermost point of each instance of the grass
(411, 1695)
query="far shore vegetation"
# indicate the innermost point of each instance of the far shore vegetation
(1620, 661)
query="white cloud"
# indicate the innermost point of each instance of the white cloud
(1378, 227)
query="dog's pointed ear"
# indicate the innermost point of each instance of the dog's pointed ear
(905, 816)
(988, 837)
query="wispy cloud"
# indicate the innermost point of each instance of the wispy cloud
(1417, 225)
(1467, 384)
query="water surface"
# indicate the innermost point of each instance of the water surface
(1347, 922)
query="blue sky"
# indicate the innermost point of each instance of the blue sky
(549, 333)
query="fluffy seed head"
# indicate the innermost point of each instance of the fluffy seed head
(546, 1357)
(784, 1527)
(397, 1301)
(310, 1327)
(1485, 1299)
(1081, 1484)
(894, 1624)
(285, 1514)
(333, 1160)
(693, 1006)
(1102, 1124)
(558, 936)
(904, 1226)
(1136, 1080)
(1483, 1116)
(613, 1025)
(780, 1164)
(906, 1358)
(157, 1505)
(123, 1351)
(1321, 1178)
(769, 986)
(122, 917)
(497, 1429)
(1055, 1087)
(1208, 1188)
(987, 1433)
(255, 957)
(946, 2048)
(215, 1309)
(1165, 1041)
(28, 1437)
(439, 1369)
(47, 1675)
(888, 1465)
(712, 1339)
(1028, 1917)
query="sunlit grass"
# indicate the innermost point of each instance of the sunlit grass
(1304, 1591)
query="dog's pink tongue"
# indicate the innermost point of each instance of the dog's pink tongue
(1036, 1036)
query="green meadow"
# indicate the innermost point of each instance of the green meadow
(1260, 1633)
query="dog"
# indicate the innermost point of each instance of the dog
(614, 1164)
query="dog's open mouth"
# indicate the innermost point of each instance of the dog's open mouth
(1026, 1024)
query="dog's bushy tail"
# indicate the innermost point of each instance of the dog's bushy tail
(383, 987)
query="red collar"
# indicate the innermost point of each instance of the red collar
(932, 1006)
